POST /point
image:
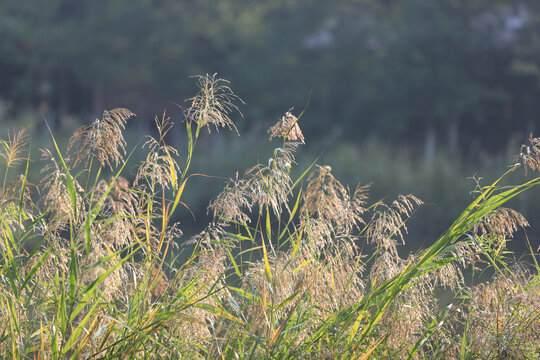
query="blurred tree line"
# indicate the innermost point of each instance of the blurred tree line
(463, 73)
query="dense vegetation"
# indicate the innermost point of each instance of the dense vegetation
(425, 92)
(464, 72)
(288, 267)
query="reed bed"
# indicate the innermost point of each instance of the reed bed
(289, 268)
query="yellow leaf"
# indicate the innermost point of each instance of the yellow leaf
(302, 265)
(266, 262)
(178, 195)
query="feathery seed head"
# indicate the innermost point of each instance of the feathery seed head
(11, 149)
(15, 192)
(160, 166)
(57, 199)
(287, 128)
(388, 222)
(328, 200)
(102, 139)
(261, 185)
(213, 103)
(232, 204)
(496, 227)
(529, 155)
(504, 315)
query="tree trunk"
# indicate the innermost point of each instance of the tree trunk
(453, 136)
(430, 145)
(63, 98)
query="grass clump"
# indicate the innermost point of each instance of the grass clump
(288, 267)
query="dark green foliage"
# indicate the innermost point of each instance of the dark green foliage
(465, 71)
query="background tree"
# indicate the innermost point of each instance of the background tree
(413, 70)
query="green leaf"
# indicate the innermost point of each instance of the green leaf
(248, 295)
(293, 212)
(234, 264)
(287, 300)
(72, 275)
(75, 335)
(356, 325)
(37, 265)
(267, 269)
(69, 179)
(23, 186)
(88, 292)
(434, 325)
(219, 311)
(268, 225)
(302, 176)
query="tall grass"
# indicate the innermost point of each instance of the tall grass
(288, 267)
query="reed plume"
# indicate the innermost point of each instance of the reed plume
(213, 103)
(103, 139)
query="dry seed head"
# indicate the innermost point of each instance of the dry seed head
(386, 266)
(112, 287)
(14, 216)
(212, 232)
(319, 232)
(269, 185)
(160, 166)
(157, 169)
(102, 139)
(14, 192)
(118, 233)
(232, 204)
(467, 254)
(448, 276)
(287, 128)
(262, 185)
(412, 308)
(529, 156)
(14, 146)
(58, 261)
(406, 319)
(388, 222)
(504, 315)
(213, 103)
(329, 201)
(121, 200)
(54, 183)
(501, 223)
(155, 277)
(325, 286)
(163, 125)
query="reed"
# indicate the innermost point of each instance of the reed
(288, 268)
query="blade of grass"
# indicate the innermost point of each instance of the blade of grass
(69, 179)
(267, 268)
(293, 212)
(219, 311)
(236, 270)
(23, 185)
